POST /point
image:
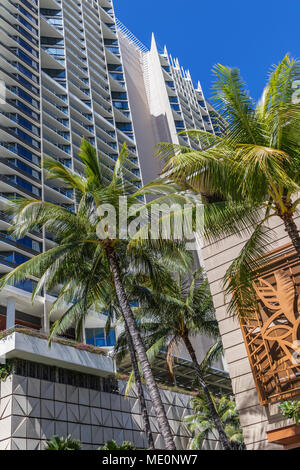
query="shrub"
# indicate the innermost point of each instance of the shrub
(112, 445)
(5, 370)
(291, 409)
(60, 443)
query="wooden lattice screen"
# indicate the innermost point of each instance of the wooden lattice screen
(272, 336)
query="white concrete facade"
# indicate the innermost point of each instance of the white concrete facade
(33, 410)
(22, 346)
(164, 102)
(77, 74)
(62, 76)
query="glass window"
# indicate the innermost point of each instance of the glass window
(97, 337)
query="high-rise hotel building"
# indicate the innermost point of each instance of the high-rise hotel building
(62, 70)
(70, 70)
(163, 99)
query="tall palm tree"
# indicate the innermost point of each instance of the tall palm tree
(77, 234)
(146, 266)
(148, 269)
(88, 297)
(143, 266)
(201, 424)
(172, 316)
(140, 391)
(249, 175)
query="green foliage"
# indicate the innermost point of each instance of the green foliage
(112, 445)
(167, 314)
(249, 175)
(202, 425)
(92, 261)
(60, 443)
(5, 370)
(291, 409)
(77, 242)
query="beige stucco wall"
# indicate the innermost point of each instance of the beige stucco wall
(255, 419)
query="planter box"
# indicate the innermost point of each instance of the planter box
(288, 437)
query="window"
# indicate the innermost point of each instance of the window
(26, 168)
(24, 184)
(23, 152)
(97, 337)
(13, 257)
(28, 285)
(121, 105)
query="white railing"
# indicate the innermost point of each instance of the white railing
(130, 36)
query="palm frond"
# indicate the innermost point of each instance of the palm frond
(236, 106)
(92, 166)
(214, 352)
(119, 165)
(56, 170)
(238, 280)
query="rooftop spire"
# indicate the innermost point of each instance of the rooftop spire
(153, 43)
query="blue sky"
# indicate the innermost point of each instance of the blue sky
(251, 35)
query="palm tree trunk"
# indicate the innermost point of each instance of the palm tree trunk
(139, 347)
(140, 390)
(292, 230)
(214, 415)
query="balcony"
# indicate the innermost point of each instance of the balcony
(26, 244)
(31, 345)
(12, 258)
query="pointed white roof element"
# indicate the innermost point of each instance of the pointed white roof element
(166, 51)
(172, 61)
(199, 87)
(153, 43)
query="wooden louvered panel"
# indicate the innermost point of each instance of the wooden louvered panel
(271, 336)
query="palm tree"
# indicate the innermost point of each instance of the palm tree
(249, 175)
(146, 266)
(94, 300)
(140, 391)
(77, 236)
(60, 443)
(89, 297)
(143, 266)
(172, 316)
(203, 426)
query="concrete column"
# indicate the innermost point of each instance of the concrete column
(46, 322)
(83, 333)
(10, 313)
